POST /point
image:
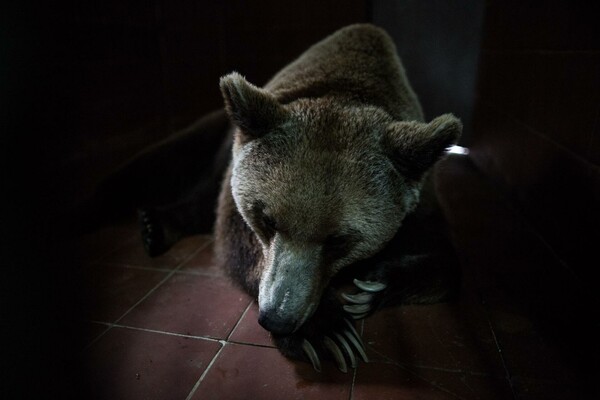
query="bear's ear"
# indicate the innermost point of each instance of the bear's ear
(416, 146)
(255, 111)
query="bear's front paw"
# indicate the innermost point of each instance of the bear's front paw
(361, 304)
(153, 236)
(328, 334)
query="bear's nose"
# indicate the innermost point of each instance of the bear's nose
(274, 323)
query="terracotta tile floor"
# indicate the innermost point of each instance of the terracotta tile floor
(174, 327)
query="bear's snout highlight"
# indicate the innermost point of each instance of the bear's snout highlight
(290, 286)
(271, 321)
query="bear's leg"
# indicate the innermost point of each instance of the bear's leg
(164, 173)
(163, 226)
(406, 279)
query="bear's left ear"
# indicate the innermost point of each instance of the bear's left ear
(255, 111)
(416, 146)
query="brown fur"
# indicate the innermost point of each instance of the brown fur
(332, 150)
(327, 164)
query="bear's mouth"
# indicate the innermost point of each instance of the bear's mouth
(278, 324)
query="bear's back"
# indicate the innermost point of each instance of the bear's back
(358, 63)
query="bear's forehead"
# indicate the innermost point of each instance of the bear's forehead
(327, 118)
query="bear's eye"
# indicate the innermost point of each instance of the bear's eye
(269, 223)
(265, 223)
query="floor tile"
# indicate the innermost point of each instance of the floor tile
(449, 336)
(250, 372)
(249, 331)
(396, 382)
(441, 351)
(109, 291)
(90, 331)
(133, 253)
(535, 389)
(130, 364)
(96, 245)
(536, 349)
(202, 263)
(191, 305)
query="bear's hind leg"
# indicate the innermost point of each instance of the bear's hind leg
(161, 227)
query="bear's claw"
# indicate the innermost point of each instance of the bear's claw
(347, 348)
(336, 353)
(356, 340)
(359, 298)
(310, 352)
(358, 308)
(370, 286)
(361, 303)
(340, 350)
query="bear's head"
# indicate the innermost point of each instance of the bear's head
(322, 183)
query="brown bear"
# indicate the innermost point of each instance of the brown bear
(326, 181)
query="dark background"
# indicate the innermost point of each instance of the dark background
(86, 85)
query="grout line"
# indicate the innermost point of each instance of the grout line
(391, 361)
(355, 372)
(239, 320)
(156, 269)
(497, 342)
(94, 340)
(97, 338)
(262, 346)
(169, 275)
(208, 367)
(353, 382)
(414, 373)
(409, 368)
(111, 325)
(148, 294)
(124, 265)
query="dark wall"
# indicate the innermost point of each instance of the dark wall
(537, 126)
(438, 42)
(124, 74)
(83, 86)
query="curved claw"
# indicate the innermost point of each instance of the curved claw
(369, 286)
(359, 316)
(310, 352)
(336, 352)
(358, 308)
(359, 298)
(353, 336)
(347, 348)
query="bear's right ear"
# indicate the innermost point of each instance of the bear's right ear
(255, 111)
(416, 146)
